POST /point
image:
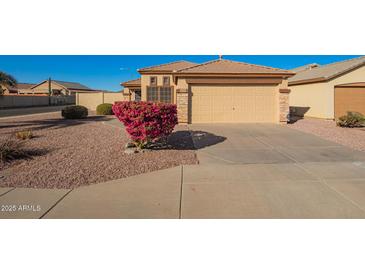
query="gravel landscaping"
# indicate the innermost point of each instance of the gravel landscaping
(327, 129)
(71, 153)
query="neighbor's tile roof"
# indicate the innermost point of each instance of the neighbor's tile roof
(327, 72)
(169, 67)
(71, 85)
(305, 67)
(228, 66)
(135, 82)
(21, 86)
(24, 85)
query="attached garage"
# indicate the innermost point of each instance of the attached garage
(234, 104)
(349, 97)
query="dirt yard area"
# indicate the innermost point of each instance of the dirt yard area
(82, 152)
(327, 129)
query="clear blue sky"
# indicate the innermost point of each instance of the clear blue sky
(108, 71)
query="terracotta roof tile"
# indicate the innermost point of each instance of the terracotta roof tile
(135, 82)
(21, 86)
(71, 85)
(169, 67)
(228, 66)
(68, 85)
(24, 85)
(305, 67)
(327, 72)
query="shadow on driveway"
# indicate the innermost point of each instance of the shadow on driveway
(193, 140)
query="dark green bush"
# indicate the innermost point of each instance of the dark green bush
(351, 119)
(104, 109)
(74, 112)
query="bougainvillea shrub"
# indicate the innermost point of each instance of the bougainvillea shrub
(146, 122)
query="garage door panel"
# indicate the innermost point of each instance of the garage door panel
(349, 99)
(233, 104)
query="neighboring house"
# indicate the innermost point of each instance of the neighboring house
(216, 91)
(59, 88)
(328, 91)
(18, 89)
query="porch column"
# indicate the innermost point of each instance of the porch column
(126, 96)
(182, 102)
(283, 105)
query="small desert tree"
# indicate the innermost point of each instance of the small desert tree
(6, 80)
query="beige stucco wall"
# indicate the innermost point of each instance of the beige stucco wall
(145, 81)
(313, 99)
(89, 100)
(111, 98)
(319, 97)
(12, 101)
(92, 100)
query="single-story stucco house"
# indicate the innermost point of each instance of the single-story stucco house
(328, 91)
(59, 88)
(20, 88)
(219, 91)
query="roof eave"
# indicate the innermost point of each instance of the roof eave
(131, 86)
(81, 89)
(155, 71)
(271, 74)
(308, 81)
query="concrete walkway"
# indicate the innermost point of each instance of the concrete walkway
(245, 171)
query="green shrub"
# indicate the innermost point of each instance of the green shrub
(74, 112)
(24, 135)
(104, 109)
(351, 119)
(11, 149)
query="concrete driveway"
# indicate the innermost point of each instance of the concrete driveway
(245, 171)
(271, 171)
(265, 144)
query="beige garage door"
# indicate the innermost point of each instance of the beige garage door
(233, 104)
(349, 99)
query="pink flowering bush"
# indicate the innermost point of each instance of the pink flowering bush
(146, 122)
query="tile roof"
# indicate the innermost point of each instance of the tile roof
(228, 66)
(71, 85)
(21, 86)
(169, 67)
(68, 85)
(305, 67)
(135, 82)
(327, 72)
(24, 85)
